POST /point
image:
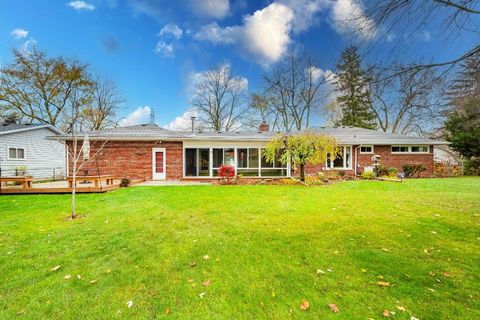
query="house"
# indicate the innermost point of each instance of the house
(24, 150)
(148, 152)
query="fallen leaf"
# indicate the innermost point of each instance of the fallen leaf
(400, 308)
(79, 276)
(433, 290)
(168, 311)
(320, 271)
(333, 307)
(129, 304)
(386, 313)
(67, 277)
(93, 281)
(364, 270)
(330, 270)
(207, 283)
(193, 264)
(206, 257)
(304, 305)
(55, 268)
(202, 294)
(380, 277)
(383, 283)
(446, 274)
(413, 318)
(385, 249)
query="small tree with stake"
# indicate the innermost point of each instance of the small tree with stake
(301, 149)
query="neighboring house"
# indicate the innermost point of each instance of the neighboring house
(149, 152)
(25, 147)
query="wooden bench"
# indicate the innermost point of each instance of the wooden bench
(26, 181)
(97, 180)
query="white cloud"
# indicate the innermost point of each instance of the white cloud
(19, 33)
(183, 122)
(164, 49)
(305, 12)
(139, 116)
(349, 19)
(264, 34)
(211, 8)
(81, 5)
(171, 30)
(319, 74)
(28, 45)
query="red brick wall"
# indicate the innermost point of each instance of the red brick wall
(387, 159)
(132, 159)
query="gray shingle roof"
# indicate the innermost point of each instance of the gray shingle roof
(344, 135)
(10, 128)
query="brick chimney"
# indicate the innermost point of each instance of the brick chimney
(264, 127)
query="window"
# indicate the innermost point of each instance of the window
(366, 149)
(242, 158)
(399, 149)
(16, 153)
(343, 159)
(420, 149)
(410, 149)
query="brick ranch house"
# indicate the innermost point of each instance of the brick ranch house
(148, 152)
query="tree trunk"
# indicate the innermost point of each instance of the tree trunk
(302, 172)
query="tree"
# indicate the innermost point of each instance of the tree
(219, 98)
(354, 93)
(404, 19)
(466, 83)
(103, 107)
(410, 102)
(38, 87)
(301, 149)
(292, 93)
(463, 128)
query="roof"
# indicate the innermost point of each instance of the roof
(344, 135)
(353, 135)
(14, 127)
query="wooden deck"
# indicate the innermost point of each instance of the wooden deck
(38, 189)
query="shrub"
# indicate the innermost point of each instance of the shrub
(125, 182)
(322, 176)
(410, 170)
(392, 172)
(381, 170)
(341, 173)
(21, 170)
(226, 171)
(471, 167)
(368, 175)
(314, 181)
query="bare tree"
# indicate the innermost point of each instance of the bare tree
(456, 19)
(38, 87)
(219, 98)
(292, 93)
(411, 102)
(78, 151)
(105, 102)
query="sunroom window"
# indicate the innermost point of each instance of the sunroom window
(342, 160)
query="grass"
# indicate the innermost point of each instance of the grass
(264, 243)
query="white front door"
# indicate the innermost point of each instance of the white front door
(159, 158)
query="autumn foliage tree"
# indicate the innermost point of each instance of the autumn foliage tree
(301, 149)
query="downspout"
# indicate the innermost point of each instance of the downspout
(356, 159)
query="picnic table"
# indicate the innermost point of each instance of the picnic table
(95, 179)
(26, 181)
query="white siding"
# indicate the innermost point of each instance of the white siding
(42, 157)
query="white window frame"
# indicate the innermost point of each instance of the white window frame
(259, 168)
(16, 152)
(409, 149)
(367, 145)
(329, 163)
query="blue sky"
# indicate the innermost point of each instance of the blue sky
(153, 49)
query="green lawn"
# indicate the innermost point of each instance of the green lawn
(265, 244)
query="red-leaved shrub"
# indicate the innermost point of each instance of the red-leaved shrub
(226, 172)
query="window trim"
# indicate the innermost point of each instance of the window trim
(409, 151)
(367, 145)
(329, 162)
(16, 148)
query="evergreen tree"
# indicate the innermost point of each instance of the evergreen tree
(466, 83)
(354, 99)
